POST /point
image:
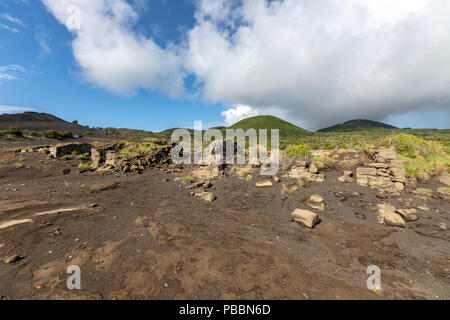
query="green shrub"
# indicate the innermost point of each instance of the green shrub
(411, 146)
(300, 151)
(85, 156)
(15, 131)
(421, 158)
(187, 180)
(36, 134)
(88, 133)
(84, 166)
(53, 134)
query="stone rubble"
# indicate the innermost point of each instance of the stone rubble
(385, 172)
(388, 216)
(107, 158)
(347, 177)
(305, 170)
(315, 202)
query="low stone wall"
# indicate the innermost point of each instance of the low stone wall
(107, 158)
(385, 172)
(67, 149)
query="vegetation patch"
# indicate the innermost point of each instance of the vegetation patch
(84, 166)
(299, 151)
(425, 191)
(53, 134)
(421, 158)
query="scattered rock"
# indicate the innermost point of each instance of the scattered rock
(316, 202)
(264, 184)
(390, 218)
(313, 168)
(305, 217)
(348, 173)
(276, 179)
(399, 186)
(320, 178)
(66, 171)
(408, 214)
(206, 196)
(13, 259)
(346, 178)
(443, 226)
(423, 208)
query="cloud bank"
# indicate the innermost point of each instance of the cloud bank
(313, 62)
(13, 109)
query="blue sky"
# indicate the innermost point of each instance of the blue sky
(197, 43)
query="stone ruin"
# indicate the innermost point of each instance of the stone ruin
(385, 172)
(303, 169)
(107, 158)
(216, 151)
(70, 148)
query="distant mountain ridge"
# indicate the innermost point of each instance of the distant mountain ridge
(357, 125)
(28, 116)
(35, 121)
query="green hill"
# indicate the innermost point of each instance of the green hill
(357, 125)
(270, 122)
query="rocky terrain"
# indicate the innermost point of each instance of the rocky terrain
(141, 227)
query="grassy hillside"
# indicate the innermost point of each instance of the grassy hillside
(357, 125)
(269, 122)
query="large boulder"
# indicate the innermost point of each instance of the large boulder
(305, 217)
(388, 216)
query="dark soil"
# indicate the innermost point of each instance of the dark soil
(139, 237)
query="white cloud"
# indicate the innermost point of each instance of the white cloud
(43, 39)
(10, 18)
(323, 62)
(238, 113)
(13, 109)
(9, 28)
(111, 55)
(314, 62)
(10, 72)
